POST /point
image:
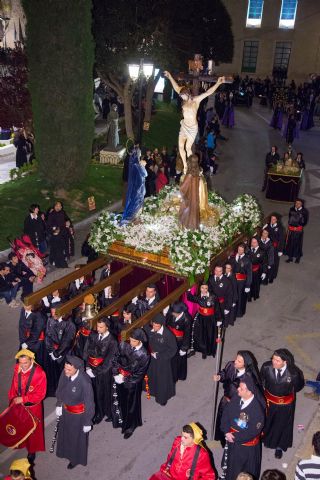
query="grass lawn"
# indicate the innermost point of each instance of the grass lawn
(164, 127)
(104, 182)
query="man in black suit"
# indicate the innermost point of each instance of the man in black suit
(272, 158)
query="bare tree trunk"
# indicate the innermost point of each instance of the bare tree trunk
(127, 98)
(149, 95)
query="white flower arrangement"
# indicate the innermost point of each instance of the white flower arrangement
(190, 251)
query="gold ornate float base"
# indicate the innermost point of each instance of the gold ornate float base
(161, 262)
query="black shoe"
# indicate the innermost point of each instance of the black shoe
(278, 453)
(31, 458)
(297, 260)
(108, 419)
(70, 466)
(289, 260)
(127, 434)
(204, 356)
(96, 419)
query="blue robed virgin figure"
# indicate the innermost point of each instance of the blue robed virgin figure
(136, 188)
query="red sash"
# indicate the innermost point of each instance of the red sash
(255, 267)
(176, 333)
(124, 372)
(251, 443)
(220, 299)
(275, 244)
(16, 425)
(41, 336)
(85, 331)
(241, 276)
(76, 409)
(56, 346)
(286, 400)
(206, 312)
(95, 362)
(295, 229)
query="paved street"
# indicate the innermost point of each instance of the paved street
(286, 315)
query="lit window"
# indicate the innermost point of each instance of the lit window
(254, 14)
(250, 55)
(288, 13)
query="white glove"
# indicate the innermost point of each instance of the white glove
(263, 276)
(280, 254)
(234, 304)
(58, 411)
(219, 324)
(52, 356)
(86, 429)
(90, 372)
(24, 345)
(46, 301)
(134, 300)
(211, 169)
(247, 290)
(226, 312)
(165, 310)
(269, 266)
(118, 379)
(182, 353)
(154, 355)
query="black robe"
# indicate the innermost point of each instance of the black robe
(72, 442)
(96, 351)
(238, 457)
(221, 288)
(294, 242)
(83, 326)
(242, 266)
(160, 376)
(230, 378)
(127, 396)
(36, 229)
(59, 337)
(31, 332)
(231, 317)
(204, 327)
(278, 432)
(268, 250)
(143, 306)
(276, 234)
(181, 328)
(57, 255)
(259, 266)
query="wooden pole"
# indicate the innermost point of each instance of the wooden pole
(64, 281)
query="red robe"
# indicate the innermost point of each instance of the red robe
(36, 394)
(180, 468)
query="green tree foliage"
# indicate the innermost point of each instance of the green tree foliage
(60, 57)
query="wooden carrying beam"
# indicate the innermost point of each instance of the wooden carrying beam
(98, 287)
(64, 281)
(125, 334)
(120, 302)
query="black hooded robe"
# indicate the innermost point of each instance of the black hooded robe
(127, 396)
(239, 457)
(278, 432)
(160, 376)
(72, 442)
(98, 356)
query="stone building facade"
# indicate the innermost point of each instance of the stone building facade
(280, 37)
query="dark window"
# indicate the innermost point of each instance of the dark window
(250, 55)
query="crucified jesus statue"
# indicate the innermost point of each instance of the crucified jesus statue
(189, 123)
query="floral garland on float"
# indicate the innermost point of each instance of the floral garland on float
(157, 229)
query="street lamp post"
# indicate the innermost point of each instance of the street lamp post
(138, 72)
